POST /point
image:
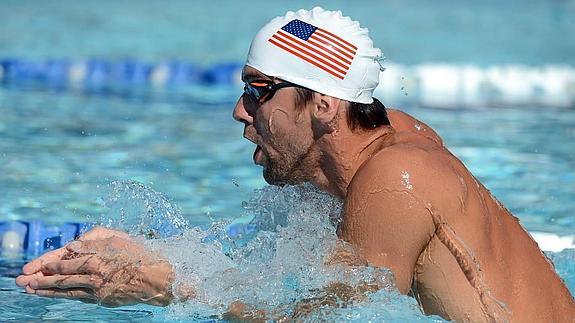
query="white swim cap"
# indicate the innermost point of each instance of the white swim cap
(320, 50)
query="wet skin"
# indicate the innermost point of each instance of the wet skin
(410, 206)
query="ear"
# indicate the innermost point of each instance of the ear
(325, 108)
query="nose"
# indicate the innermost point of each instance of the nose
(240, 113)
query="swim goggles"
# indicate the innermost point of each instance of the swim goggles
(263, 90)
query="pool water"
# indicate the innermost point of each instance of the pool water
(61, 149)
(75, 145)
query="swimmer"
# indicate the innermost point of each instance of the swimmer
(409, 204)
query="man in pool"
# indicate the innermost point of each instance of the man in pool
(410, 205)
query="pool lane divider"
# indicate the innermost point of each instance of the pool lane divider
(96, 73)
(33, 238)
(37, 237)
(439, 85)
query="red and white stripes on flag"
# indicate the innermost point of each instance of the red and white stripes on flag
(316, 46)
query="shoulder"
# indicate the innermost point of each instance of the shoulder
(405, 123)
(406, 166)
(410, 175)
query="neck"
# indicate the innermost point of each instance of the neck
(344, 152)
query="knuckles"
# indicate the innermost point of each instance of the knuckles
(117, 242)
(52, 268)
(92, 265)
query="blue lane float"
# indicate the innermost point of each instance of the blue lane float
(98, 72)
(37, 237)
(429, 84)
(33, 238)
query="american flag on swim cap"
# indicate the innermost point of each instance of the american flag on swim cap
(316, 46)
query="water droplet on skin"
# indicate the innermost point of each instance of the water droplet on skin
(405, 180)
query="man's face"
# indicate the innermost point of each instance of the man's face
(281, 131)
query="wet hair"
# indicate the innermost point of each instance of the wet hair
(362, 115)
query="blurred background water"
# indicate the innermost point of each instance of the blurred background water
(531, 32)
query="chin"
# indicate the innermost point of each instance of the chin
(282, 177)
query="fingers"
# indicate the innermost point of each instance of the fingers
(72, 293)
(30, 290)
(23, 280)
(84, 246)
(86, 282)
(65, 286)
(36, 264)
(89, 264)
(98, 233)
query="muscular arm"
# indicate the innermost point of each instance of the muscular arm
(400, 212)
(385, 220)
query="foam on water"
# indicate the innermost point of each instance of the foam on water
(139, 210)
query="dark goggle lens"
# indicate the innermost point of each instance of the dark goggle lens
(262, 91)
(257, 89)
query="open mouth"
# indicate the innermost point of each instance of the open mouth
(258, 155)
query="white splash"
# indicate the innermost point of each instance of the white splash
(273, 262)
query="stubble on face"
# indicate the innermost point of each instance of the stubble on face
(289, 168)
(291, 159)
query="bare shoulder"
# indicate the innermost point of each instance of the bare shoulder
(403, 122)
(412, 167)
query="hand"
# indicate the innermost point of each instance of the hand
(32, 269)
(104, 266)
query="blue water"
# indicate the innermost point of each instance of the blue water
(60, 150)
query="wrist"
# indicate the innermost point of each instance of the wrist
(159, 279)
